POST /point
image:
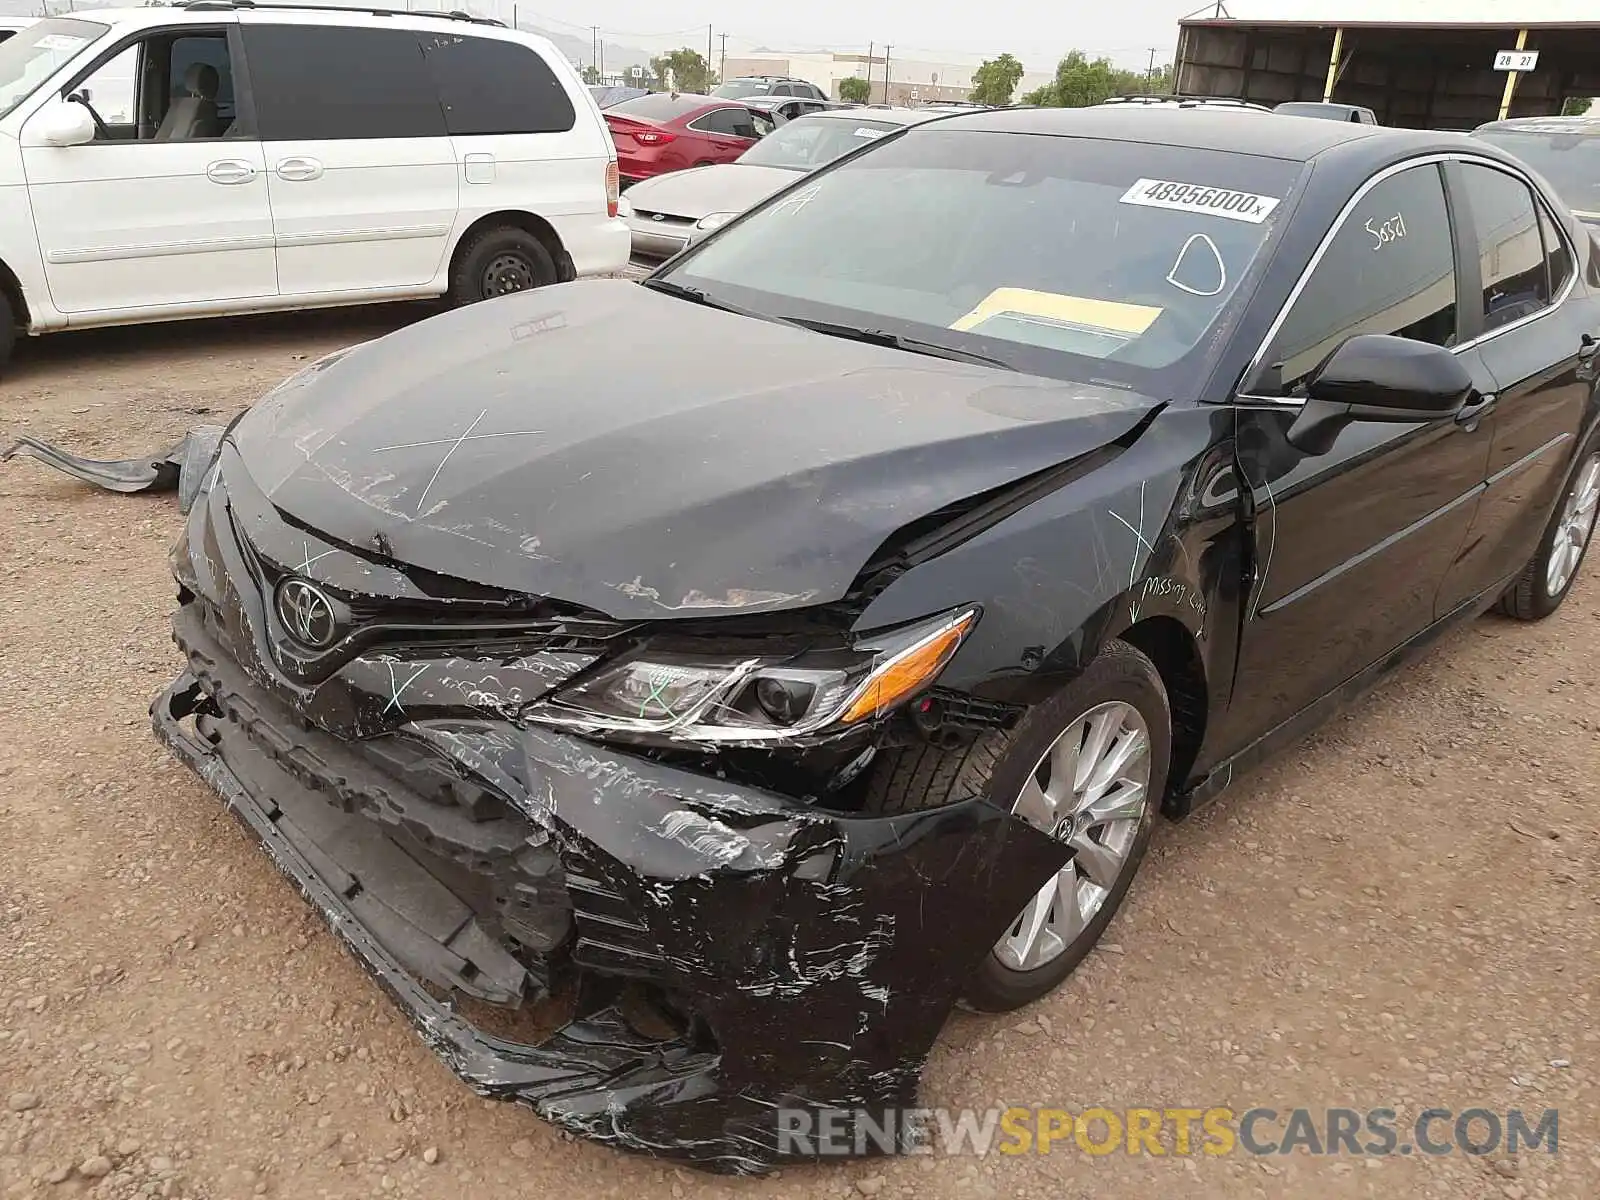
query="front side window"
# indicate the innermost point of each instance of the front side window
(38, 52)
(331, 82)
(1390, 269)
(1510, 247)
(491, 86)
(1072, 257)
(168, 87)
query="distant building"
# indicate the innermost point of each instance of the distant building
(910, 80)
(1436, 64)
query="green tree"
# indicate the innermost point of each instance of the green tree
(1576, 106)
(995, 80)
(854, 89)
(591, 74)
(683, 70)
(1080, 82)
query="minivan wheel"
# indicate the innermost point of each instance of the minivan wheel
(498, 262)
(8, 331)
(1088, 767)
(1550, 574)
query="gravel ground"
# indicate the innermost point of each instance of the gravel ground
(1402, 911)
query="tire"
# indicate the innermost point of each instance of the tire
(8, 331)
(1120, 680)
(499, 262)
(1541, 587)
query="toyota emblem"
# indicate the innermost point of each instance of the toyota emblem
(307, 613)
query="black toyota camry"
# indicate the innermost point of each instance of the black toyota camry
(757, 661)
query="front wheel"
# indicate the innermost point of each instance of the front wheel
(1550, 574)
(1088, 767)
(498, 262)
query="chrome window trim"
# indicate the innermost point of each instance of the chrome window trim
(1344, 215)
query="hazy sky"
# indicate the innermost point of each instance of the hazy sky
(1036, 31)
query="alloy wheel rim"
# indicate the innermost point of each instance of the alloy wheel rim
(1576, 527)
(507, 273)
(1090, 789)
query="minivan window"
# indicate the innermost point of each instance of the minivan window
(491, 86)
(1073, 257)
(38, 52)
(328, 82)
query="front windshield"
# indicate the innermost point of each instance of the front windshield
(1071, 257)
(1570, 161)
(741, 89)
(806, 143)
(38, 52)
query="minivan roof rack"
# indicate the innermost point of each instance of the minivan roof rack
(223, 5)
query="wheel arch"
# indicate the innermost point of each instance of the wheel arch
(533, 223)
(1170, 645)
(11, 288)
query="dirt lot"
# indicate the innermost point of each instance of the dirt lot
(1403, 912)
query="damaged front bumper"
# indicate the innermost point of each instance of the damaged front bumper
(808, 958)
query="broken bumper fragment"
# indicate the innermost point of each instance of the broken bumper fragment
(792, 958)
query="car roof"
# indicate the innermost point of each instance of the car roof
(1206, 128)
(1581, 126)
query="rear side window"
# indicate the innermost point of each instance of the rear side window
(329, 82)
(719, 120)
(1389, 269)
(491, 86)
(1557, 255)
(1510, 248)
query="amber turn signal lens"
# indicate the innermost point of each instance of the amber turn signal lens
(908, 671)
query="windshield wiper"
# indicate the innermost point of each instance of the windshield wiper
(899, 341)
(698, 296)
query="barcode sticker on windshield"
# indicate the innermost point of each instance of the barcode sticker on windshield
(1196, 198)
(863, 131)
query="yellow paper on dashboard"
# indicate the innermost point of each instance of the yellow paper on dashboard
(1112, 315)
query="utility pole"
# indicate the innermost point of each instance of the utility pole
(594, 47)
(722, 68)
(886, 49)
(602, 60)
(708, 56)
(1150, 74)
(872, 52)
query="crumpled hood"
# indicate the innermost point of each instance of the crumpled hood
(646, 456)
(730, 187)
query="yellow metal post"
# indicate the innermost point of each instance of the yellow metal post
(1333, 64)
(1511, 77)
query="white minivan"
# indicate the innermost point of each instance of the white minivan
(227, 157)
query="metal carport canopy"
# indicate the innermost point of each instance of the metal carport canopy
(1420, 63)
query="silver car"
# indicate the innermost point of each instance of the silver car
(665, 212)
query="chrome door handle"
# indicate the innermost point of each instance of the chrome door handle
(297, 170)
(230, 170)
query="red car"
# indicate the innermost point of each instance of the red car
(667, 131)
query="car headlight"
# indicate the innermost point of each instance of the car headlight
(697, 698)
(715, 220)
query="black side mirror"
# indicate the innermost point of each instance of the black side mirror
(1377, 377)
